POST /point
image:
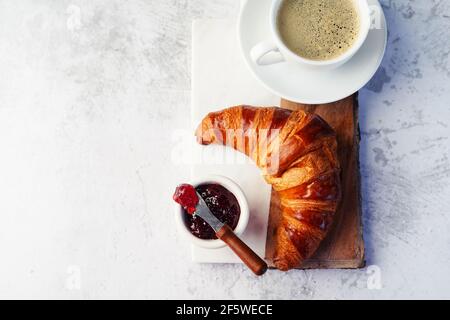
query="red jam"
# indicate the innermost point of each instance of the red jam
(186, 196)
(222, 203)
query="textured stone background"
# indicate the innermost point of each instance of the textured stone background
(90, 93)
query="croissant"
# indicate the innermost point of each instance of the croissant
(297, 153)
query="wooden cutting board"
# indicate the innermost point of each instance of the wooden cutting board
(344, 246)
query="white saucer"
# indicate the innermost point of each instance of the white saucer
(294, 82)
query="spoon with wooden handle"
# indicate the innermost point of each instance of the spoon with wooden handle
(224, 233)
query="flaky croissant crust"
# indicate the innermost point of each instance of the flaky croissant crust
(297, 153)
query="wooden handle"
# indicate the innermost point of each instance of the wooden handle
(247, 255)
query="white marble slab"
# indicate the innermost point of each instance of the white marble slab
(221, 79)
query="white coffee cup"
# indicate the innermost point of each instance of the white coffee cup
(274, 50)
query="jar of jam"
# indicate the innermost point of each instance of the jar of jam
(224, 199)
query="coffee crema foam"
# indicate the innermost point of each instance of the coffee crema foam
(318, 29)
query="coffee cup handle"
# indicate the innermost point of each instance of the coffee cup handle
(266, 53)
